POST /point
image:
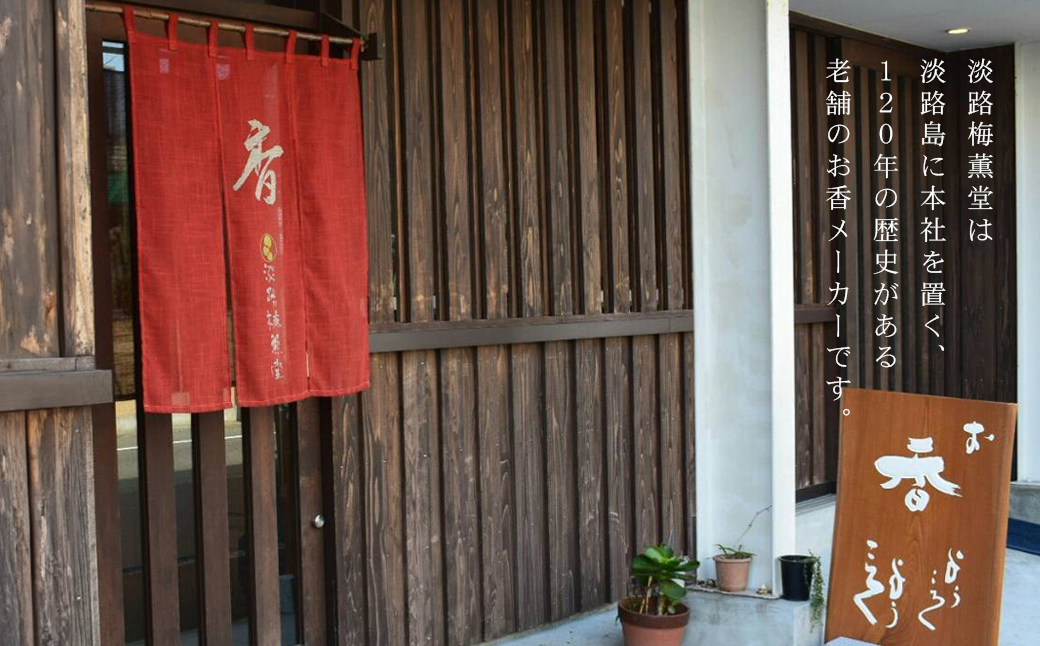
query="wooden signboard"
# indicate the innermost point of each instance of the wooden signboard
(921, 523)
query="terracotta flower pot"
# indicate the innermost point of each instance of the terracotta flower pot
(652, 630)
(732, 573)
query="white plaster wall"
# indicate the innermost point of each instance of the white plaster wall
(815, 530)
(1027, 162)
(743, 283)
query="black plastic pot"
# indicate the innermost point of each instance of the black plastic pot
(796, 576)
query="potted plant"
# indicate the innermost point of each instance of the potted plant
(731, 567)
(653, 614)
(733, 564)
(802, 578)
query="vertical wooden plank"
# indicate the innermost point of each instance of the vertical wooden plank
(108, 525)
(1004, 225)
(455, 147)
(496, 469)
(345, 517)
(497, 522)
(850, 270)
(211, 528)
(380, 170)
(158, 515)
(29, 286)
(669, 375)
(558, 187)
(417, 369)
(865, 254)
(806, 265)
(74, 177)
(417, 159)
(559, 412)
(588, 374)
(62, 527)
(108, 521)
(561, 468)
(261, 508)
(16, 603)
(690, 444)
(460, 585)
(383, 491)
(616, 175)
(645, 449)
(493, 196)
(642, 161)
(525, 155)
(422, 498)
(591, 238)
(617, 362)
(669, 178)
(903, 106)
(526, 359)
(820, 218)
(950, 323)
(308, 449)
(592, 511)
(530, 486)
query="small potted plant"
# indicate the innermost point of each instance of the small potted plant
(653, 614)
(733, 564)
(731, 567)
(802, 578)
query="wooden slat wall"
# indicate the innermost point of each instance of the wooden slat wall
(978, 359)
(525, 158)
(47, 546)
(47, 543)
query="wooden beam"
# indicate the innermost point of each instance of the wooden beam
(16, 604)
(158, 519)
(48, 364)
(398, 337)
(209, 460)
(308, 437)
(35, 390)
(806, 314)
(61, 511)
(258, 457)
(74, 177)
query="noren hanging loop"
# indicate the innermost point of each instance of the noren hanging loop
(290, 46)
(250, 46)
(128, 23)
(212, 31)
(171, 31)
(324, 51)
(355, 54)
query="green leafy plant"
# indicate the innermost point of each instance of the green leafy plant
(816, 598)
(659, 580)
(736, 553)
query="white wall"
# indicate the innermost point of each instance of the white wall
(743, 278)
(1027, 162)
(815, 533)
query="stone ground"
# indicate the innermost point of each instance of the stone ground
(1019, 626)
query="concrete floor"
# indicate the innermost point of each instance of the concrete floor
(1019, 626)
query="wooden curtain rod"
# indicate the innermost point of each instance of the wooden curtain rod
(151, 14)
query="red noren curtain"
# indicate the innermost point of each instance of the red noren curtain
(263, 150)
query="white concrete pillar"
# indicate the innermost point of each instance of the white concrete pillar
(743, 278)
(1027, 165)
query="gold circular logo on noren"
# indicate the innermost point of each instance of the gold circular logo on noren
(267, 249)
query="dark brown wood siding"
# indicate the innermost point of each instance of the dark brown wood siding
(47, 523)
(977, 358)
(527, 164)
